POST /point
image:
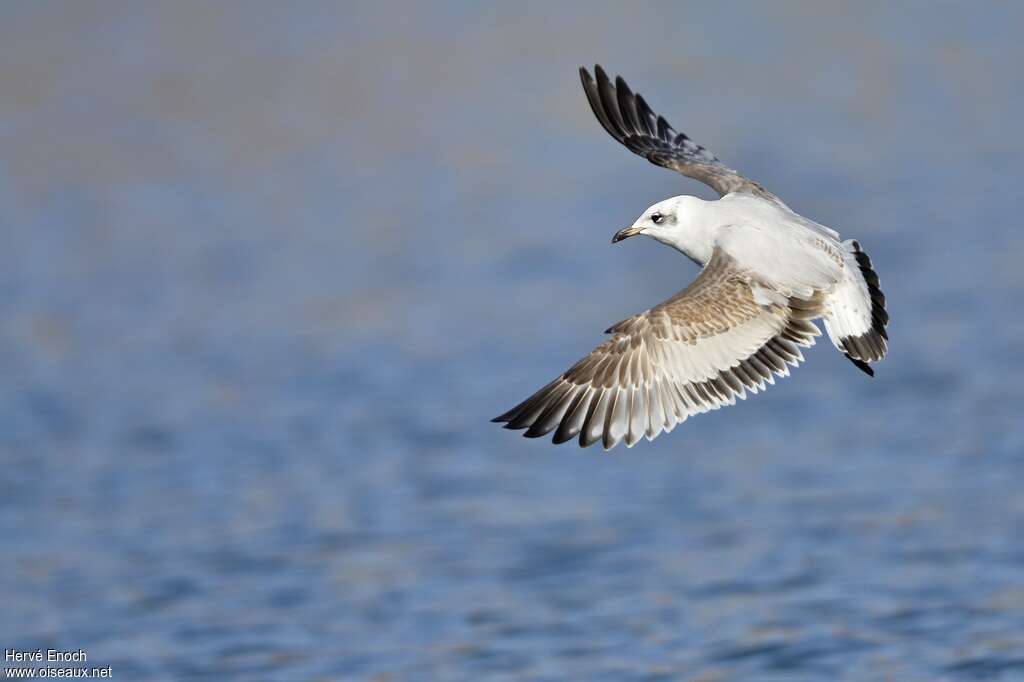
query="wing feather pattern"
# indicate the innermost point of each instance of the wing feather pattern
(628, 118)
(699, 350)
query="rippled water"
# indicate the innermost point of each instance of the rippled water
(268, 272)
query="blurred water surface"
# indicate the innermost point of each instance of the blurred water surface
(269, 268)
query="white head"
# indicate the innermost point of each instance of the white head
(678, 222)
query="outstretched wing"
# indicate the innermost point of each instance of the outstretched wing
(697, 351)
(629, 120)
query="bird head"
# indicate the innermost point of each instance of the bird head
(664, 220)
(674, 222)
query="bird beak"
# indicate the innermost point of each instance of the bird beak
(625, 233)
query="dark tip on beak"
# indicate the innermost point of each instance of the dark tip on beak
(625, 233)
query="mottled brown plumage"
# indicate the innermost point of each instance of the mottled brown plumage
(699, 350)
(767, 274)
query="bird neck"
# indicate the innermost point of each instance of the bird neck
(695, 238)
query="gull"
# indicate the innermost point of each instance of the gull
(767, 274)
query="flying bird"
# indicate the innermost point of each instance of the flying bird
(767, 274)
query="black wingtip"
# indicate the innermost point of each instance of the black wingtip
(862, 366)
(505, 417)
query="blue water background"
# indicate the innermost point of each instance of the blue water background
(267, 270)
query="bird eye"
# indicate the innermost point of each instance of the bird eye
(656, 218)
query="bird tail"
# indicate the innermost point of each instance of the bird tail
(857, 317)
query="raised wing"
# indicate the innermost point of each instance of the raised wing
(629, 120)
(697, 351)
